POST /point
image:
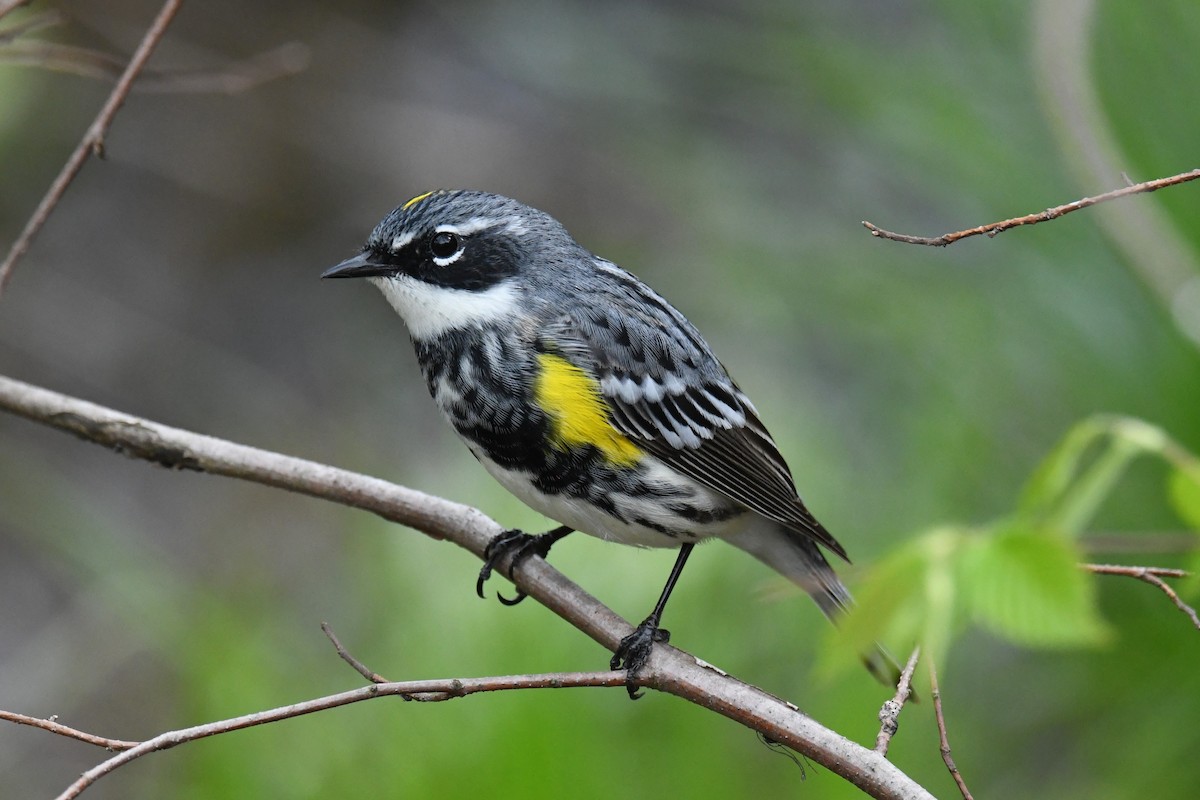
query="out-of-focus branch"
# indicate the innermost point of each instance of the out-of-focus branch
(1063, 55)
(37, 22)
(943, 738)
(232, 78)
(993, 228)
(7, 6)
(93, 140)
(669, 669)
(1153, 576)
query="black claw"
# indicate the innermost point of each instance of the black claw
(634, 651)
(520, 546)
(511, 601)
(492, 554)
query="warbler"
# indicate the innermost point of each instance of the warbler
(589, 397)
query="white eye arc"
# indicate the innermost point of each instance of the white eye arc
(446, 247)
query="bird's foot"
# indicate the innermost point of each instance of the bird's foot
(634, 651)
(520, 546)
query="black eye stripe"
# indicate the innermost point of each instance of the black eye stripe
(445, 244)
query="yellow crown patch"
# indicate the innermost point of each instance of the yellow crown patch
(414, 201)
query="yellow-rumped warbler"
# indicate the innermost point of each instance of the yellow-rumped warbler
(588, 396)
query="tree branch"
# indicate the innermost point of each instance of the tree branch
(943, 738)
(345, 655)
(1153, 576)
(889, 715)
(7, 6)
(232, 78)
(421, 691)
(669, 669)
(93, 140)
(993, 228)
(54, 726)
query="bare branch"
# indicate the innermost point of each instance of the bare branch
(427, 691)
(359, 667)
(1153, 576)
(7, 6)
(54, 726)
(889, 715)
(239, 76)
(943, 739)
(46, 20)
(93, 140)
(993, 228)
(669, 669)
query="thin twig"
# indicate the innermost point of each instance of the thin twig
(359, 667)
(54, 726)
(92, 141)
(669, 669)
(993, 228)
(232, 78)
(889, 715)
(46, 20)
(1153, 576)
(7, 6)
(943, 739)
(428, 691)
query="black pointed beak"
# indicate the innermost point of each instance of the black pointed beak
(363, 265)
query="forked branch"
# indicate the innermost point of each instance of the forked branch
(1153, 576)
(669, 670)
(93, 140)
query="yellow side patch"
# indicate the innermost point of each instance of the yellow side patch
(571, 398)
(414, 201)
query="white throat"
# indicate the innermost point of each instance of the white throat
(429, 311)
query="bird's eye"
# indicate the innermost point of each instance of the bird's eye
(445, 244)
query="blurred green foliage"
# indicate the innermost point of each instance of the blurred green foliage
(1019, 576)
(725, 153)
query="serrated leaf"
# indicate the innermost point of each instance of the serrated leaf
(1027, 586)
(1183, 487)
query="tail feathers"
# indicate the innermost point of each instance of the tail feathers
(884, 666)
(801, 561)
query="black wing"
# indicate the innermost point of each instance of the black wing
(669, 393)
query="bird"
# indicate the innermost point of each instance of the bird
(590, 397)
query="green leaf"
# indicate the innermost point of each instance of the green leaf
(1027, 586)
(1183, 487)
(1084, 496)
(908, 597)
(1067, 489)
(1052, 477)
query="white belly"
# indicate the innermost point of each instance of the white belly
(582, 516)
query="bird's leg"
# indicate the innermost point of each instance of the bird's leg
(634, 650)
(520, 546)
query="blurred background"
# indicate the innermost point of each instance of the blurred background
(726, 153)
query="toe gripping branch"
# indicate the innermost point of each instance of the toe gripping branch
(517, 546)
(634, 651)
